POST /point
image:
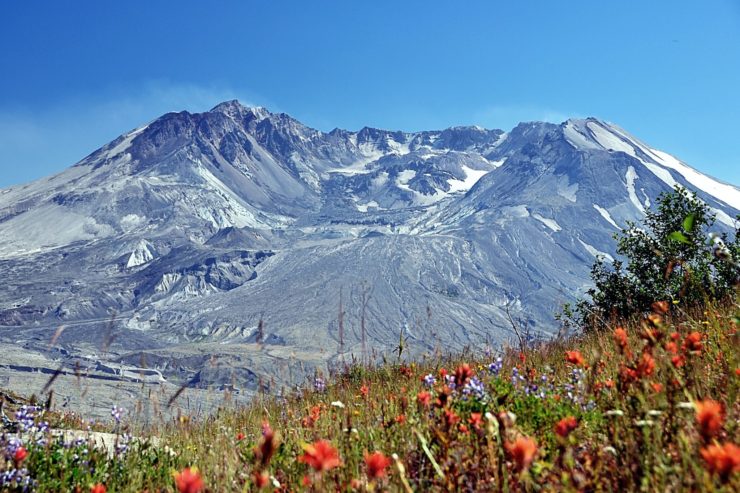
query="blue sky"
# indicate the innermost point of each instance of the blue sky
(76, 74)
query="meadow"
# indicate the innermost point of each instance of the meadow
(647, 406)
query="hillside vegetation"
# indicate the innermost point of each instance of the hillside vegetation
(650, 406)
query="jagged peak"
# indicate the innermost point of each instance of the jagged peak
(235, 108)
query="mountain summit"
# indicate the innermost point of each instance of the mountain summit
(236, 226)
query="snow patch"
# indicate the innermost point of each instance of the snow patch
(596, 253)
(566, 189)
(605, 214)
(631, 176)
(471, 178)
(550, 223)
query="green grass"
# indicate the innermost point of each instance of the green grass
(635, 432)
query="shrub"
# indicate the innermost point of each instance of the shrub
(670, 256)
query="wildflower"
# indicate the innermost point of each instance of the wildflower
(620, 336)
(189, 480)
(463, 374)
(338, 404)
(574, 357)
(306, 481)
(463, 429)
(722, 460)
(424, 398)
(615, 412)
(319, 384)
(476, 419)
(495, 367)
(675, 336)
(451, 419)
(117, 412)
(406, 371)
(320, 456)
(692, 343)
(442, 372)
(376, 463)
(20, 455)
(364, 390)
(429, 380)
(267, 446)
(708, 417)
(657, 387)
(565, 426)
(261, 479)
(240, 436)
(522, 450)
(647, 365)
(400, 419)
(678, 361)
(98, 488)
(660, 307)
(671, 347)
(475, 388)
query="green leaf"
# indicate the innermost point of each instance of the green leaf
(688, 222)
(679, 237)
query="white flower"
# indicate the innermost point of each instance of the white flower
(685, 405)
(615, 412)
(338, 404)
(654, 412)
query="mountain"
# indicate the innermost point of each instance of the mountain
(239, 235)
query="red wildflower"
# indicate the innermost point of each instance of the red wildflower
(240, 436)
(400, 419)
(476, 419)
(20, 455)
(671, 347)
(451, 419)
(424, 398)
(574, 357)
(692, 343)
(261, 479)
(306, 481)
(722, 460)
(321, 456)
(376, 463)
(657, 387)
(660, 307)
(463, 374)
(443, 397)
(364, 390)
(709, 417)
(267, 446)
(737, 372)
(188, 481)
(522, 358)
(442, 373)
(678, 361)
(406, 371)
(565, 426)
(463, 429)
(646, 366)
(675, 336)
(98, 488)
(620, 336)
(522, 450)
(627, 375)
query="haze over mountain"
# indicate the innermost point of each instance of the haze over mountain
(181, 235)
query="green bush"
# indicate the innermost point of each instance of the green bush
(670, 256)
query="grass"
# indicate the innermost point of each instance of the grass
(651, 409)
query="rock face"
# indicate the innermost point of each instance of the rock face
(205, 235)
